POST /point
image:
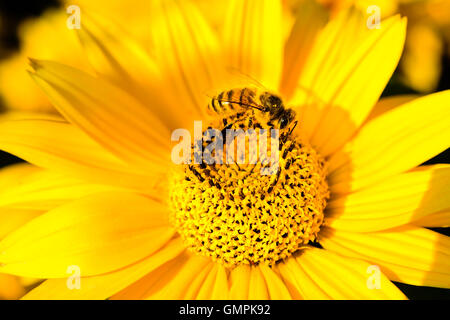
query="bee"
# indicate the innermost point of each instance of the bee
(271, 106)
(236, 100)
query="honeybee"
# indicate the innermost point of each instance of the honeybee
(270, 104)
(234, 103)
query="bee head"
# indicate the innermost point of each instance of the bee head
(286, 118)
(271, 103)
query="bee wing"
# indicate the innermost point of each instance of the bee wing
(234, 78)
(243, 80)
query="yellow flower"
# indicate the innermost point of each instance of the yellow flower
(106, 203)
(10, 287)
(48, 38)
(428, 31)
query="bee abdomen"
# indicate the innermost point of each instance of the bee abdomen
(231, 100)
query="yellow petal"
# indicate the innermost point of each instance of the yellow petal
(298, 282)
(388, 103)
(197, 283)
(62, 147)
(310, 19)
(115, 54)
(399, 200)
(97, 234)
(344, 71)
(188, 53)
(239, 282)
(170, 281)
(104, 286)
(12, 218)
(46, 37)
(37, 189)
(435, 220)
(220, 290)
(257, 289)
(345, 278)
(392, 143)
(14, 173)
(275, 286)
(407, 254)
(105, 112)
(174, 285)
(157, 279)
(215, 285)
(10, 287)
(253, 37)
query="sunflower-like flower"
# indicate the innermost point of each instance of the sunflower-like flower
(103, 212)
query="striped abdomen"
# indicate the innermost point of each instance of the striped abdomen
(233, 100)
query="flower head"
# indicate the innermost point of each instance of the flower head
(342, 215)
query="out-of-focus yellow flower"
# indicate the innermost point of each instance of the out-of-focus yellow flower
(48, 37)
(428, 27)
(421, 62)
(428, 33)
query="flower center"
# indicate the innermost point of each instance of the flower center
(236, 215)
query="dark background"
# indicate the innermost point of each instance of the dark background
(13, 12)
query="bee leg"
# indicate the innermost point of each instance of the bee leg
(224, 130)
(287, 165)
(196, 173)
(274, 183)
(293, 128)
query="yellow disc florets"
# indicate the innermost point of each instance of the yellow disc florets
(235, 215)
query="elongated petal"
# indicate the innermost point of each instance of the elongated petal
(33, 188)
(188, 53)
(407, 254)
(318, 274)
(215, 285)
(394, 202)
(344, 71)
(13, 174)
(299, 283)
(310, 19)
(98, 234)
(198, 283)
(257, 289)
(12, 219)
(275, 285)
(393, 143)
(253, 38)
(115, 54)
(435, 220)
(345, 278)
(389, 103)
(239, 282)
(59, 146)
(104, 286)
(118, 57)
(170, 281)
(10, 287)
(158, 277)
(105, 112)
(173, 285)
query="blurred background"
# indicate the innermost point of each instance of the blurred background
(424, 66)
